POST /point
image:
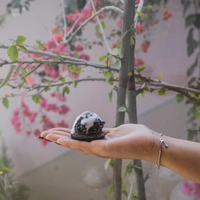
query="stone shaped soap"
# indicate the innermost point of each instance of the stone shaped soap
(87, 127)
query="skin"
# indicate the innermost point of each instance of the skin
(133, 141)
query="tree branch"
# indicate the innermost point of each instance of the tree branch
(101, 29)
(66, 59)
(139, 8)
(92, 17)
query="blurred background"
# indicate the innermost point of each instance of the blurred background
(53, 172)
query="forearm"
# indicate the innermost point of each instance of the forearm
(181, 156)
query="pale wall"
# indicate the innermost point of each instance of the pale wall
(167, 55)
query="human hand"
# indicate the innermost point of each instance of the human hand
(128, 141)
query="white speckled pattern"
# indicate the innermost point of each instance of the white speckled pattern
(88, 120)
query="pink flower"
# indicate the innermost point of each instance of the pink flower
(138, 62)
(62, 124)
(139, 28)
(78, 47)
(61, 98)
(15, 76)
(43, 103)
(119, 23)
(72, 17)
(63, 110)
(28, 133)
(191, 189)
(84, 56)
(52, 107)
(15, 121)
(32, 116)
(30, 81)
(37, 132)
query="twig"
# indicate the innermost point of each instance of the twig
(94, 65)
(33, 70)
(74, 24)
(139, 8)
(91, 17)
(101, 28)
(66, 59)
(64, 18)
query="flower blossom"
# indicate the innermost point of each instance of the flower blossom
(191, 189)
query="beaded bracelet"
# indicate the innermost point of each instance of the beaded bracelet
(162, 142)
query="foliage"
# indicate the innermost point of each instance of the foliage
(9, 188)
(192, 23)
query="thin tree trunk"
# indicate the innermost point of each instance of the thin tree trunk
(128, 21)
(132, 108)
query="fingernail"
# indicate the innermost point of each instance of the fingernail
(44, 139)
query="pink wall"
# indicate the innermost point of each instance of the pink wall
(166, 55)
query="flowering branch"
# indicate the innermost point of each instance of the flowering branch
(92, 17)
(66, 59)
(94, 65)
(66, 35)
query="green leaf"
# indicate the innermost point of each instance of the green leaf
(20, 40)
(97, 30)
(159, 76)
(149, 7)
(193, 20)
(47, 89)
(132, 42)
(12, 53)
(62, 79)
(118, 64)
(140, 69)
(190, 135)
(103, 24)
(103, 57)
(190, 71)
(36, 98)
(66, 90)
(129, 169)
(5, 102)
(75, 83)
(130, 74)
(121, 54)
(161, 92)
(191, 43)
(72, 68)
(179, 98)
(115, 52)
(108, 163)
(124, 190)
(139, 13)
(41, 46)
(142, 94)
(122, 109)
(110, 95)
(110, 190)
(189, 20)
(49, 83)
